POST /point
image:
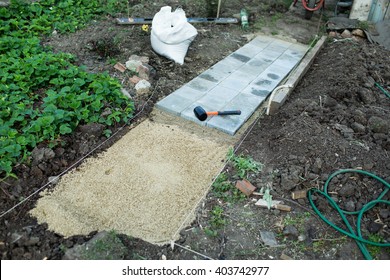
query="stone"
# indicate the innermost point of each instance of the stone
(358, 128)
(345, 130)
(5, 3)
(346, 34)
(349, 206)
(333, 34)
(291, 230)
(347, 190)
(53, 180)
(133, 64)
(384, 213)
(34, 240)
(359, 33)
(142, 87)
(378, 125)
(95, 129)
(142, 59)
(374, 227)
(143, 72)
(135, 79)
(42, 154)
(366, 96)
(329, 101)
(268, 238)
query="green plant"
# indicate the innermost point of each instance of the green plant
(225, 190)
(110, 247)
(43, 95)
(217, 221)
(244, 164)
(375, 251)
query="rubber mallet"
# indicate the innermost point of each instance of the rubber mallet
(202, 115)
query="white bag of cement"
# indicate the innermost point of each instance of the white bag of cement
(171, 34)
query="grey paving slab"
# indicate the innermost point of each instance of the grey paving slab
(240, 81)
(174, 104)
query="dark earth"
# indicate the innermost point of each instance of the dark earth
(336, 118)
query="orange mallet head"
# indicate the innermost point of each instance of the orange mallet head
(202, 115)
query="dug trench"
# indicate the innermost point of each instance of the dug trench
(335, 119)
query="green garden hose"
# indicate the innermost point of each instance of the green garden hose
(383, 90)
(356, 235)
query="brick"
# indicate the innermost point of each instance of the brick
(245, 187)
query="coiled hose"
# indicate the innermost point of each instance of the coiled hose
(357, 236)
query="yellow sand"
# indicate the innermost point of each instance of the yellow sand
(146, 185)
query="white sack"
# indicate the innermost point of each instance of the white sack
(171, 34)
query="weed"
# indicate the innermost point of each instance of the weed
(365, 25)
(375, 251)
(244, 164)
(225, 190)
(210, 232)
(298, 220)
(109, 248)
(217, 221)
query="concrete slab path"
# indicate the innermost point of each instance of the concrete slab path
(241, 81)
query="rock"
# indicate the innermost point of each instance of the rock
(374, 227)
(384, 213)
(359, 32)
(103, 246)
(5, 3)
(15, 237)
(316, 168)
(143, 72)
(366, 96)
(378, 125)
(291, 230)
(32, 241)
(142, 59)
(133, 64)
(53, 180)
(329, 101)
(142, 87)
(42, 154)
(36, 172)
(135, 79)
(268, 238)
(59, 151)
(360, 117)
(358, 128)
(345, 130)
(346, 34)
(349, 206)
(348, 251)
(95, 129)
(333, 34)
(302, 237)
(347, 190)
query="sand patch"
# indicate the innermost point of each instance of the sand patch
(145, 185)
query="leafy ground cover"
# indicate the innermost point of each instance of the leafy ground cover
(298, 148)
(43, 94)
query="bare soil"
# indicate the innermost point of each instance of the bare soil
(336, 118)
